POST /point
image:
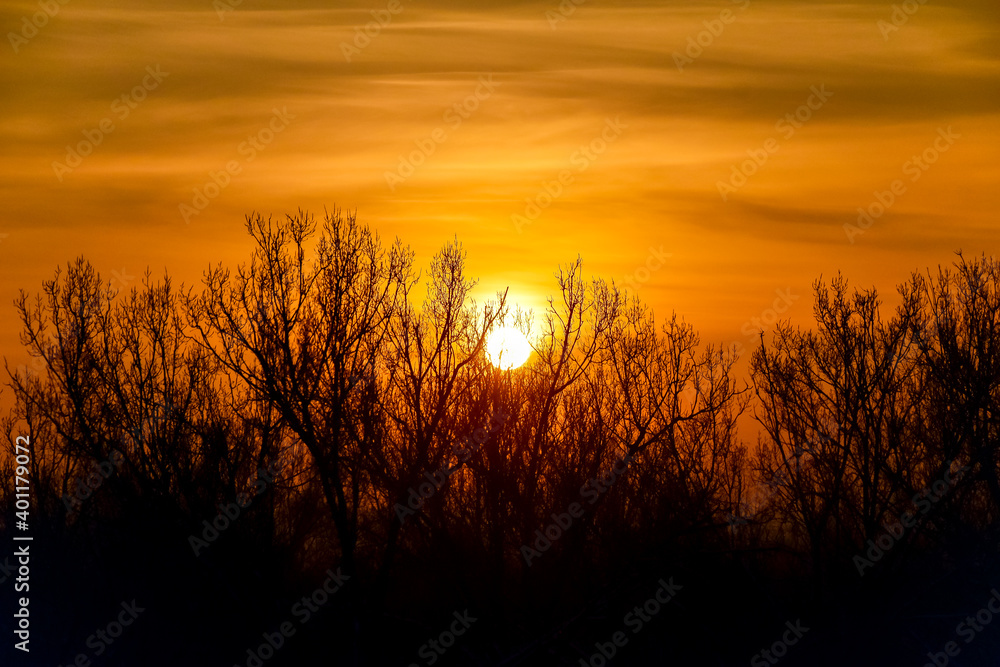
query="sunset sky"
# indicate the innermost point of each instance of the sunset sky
(672, 125)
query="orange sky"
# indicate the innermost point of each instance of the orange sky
(668, 100)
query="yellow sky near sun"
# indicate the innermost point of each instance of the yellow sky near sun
(652, 190)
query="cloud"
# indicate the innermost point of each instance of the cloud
(353, 121)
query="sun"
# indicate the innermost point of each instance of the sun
(507, 348)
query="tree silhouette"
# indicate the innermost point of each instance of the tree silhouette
(364, 428)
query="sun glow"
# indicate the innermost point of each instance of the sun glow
(507, 348)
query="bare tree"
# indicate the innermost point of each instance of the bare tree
(958, 336)
(835, 404)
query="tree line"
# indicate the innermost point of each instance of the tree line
(438, 482)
